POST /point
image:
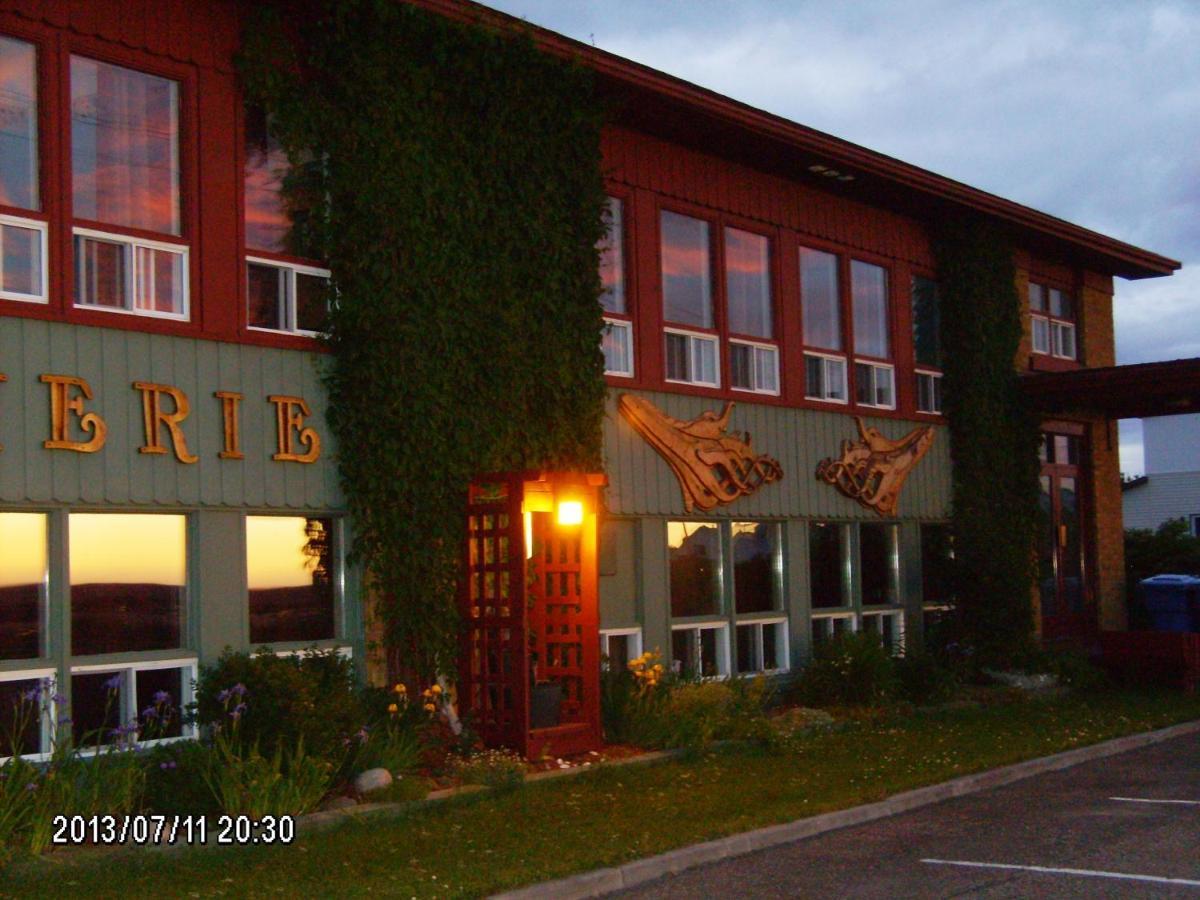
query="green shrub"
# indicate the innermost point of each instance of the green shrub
(312, 698)
(851, 670)
(922, 679)
(176, 782)
(501, 770)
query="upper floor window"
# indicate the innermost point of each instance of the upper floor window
(874, 382)
(22, 237)
(691, 355)
(1052, 320)
(821, 307)
(283, 295)
(617, 341)
(927, 343)
(125, 176)
(753, 355)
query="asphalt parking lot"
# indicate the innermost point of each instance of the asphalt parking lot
(1124, 826)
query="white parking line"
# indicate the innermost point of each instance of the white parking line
(1149, 800)
(1048, 870)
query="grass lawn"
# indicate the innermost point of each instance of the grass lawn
(481, 843)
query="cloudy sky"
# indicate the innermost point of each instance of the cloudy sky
(1087, 110)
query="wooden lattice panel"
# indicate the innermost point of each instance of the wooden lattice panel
(493, 678)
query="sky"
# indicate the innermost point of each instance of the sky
(1089, 111)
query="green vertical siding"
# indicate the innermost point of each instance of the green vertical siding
(111, 361)
(642, 484)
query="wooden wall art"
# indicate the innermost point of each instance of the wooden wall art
(713, 467)
(872, 470)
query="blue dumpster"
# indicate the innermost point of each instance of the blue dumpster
(1173, 602)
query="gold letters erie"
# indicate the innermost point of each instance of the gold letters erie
(62, 402)
(229, 416)
(153, 416)
(872, 470)
(290, 413)
(713, 467)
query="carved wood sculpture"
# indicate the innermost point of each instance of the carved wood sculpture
(712, 467)
(872, 470)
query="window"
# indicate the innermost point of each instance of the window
(291, 574)
(700, 651)
(753, 364)
(23, 586)
(620, 646)
(128, 577)
(753, 615)
(695, 551)
(113, 704)
(927, 344)
(821, 307)
(825, 377)
(617, 340)
(937, 575)
(1052, 321)
(28, 710)
(869, 294)
(874, 573)
(286, 297)
(691, 357)
(1195, 525)
(826, 564)
(125, 174)
(281, 294)
(22, 237)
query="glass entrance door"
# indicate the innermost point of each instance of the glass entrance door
(1062, 573)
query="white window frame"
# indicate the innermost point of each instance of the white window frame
(897, 648)
(1040, 333)
(693, 338)
(291, 270)
(756, 348)
(42, 229)
(935, 379)
(875, 367)
(128, 698)
(1194, 521)
(827, 618)
(615, 325)
(46, 744)
(827, 358)
(1059, 327)
(782, 643)
(130, 246)
(635, 642)
(721, 625)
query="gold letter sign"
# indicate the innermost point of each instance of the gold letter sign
(712, 467)
(873, 470)
(153, 416)
(290, 413)
(229, 415)
(62, 402)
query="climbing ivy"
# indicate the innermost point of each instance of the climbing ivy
(993, 438)
(459, 202)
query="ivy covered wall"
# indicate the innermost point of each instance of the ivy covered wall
(993, 438)
(459, 200)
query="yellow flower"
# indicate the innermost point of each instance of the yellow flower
(437, 688)
(429, 707)
(427, 693)
(393, 708)
(400, 689)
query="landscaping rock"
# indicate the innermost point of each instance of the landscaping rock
(339, 802)
(372, 780)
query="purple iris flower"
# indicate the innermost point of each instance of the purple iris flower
(114, 683)
(162, 697)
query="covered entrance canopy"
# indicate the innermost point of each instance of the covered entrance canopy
(1119, 392)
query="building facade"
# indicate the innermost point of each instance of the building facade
(168, 482)
(1170, 489)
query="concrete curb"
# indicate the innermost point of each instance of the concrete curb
(608, 880)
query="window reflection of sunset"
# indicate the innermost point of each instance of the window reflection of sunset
(123, 548)
(275, 556)
(22, 549)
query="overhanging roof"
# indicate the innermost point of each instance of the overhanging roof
(670, 107)
(1119, 392)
